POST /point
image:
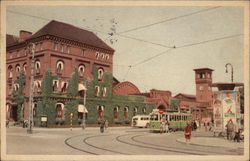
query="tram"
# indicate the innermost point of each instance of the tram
(176, 120)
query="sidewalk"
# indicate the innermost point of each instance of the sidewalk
(212, 142)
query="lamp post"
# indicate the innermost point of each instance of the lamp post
(29, 130)
(232, 70)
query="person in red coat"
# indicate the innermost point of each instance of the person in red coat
(188, 130)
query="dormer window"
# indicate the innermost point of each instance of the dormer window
(100, 73)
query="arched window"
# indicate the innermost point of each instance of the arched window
(97, 90)
(97, 54)
(35, 110)
(104, 91)
(16, 86)
(126, 112)
(107, 57)
(116, 111)
(59, 110)
(38, 86)
(18, 68)
(10, 70)
(100, 73)
(100, 110)
(64, 86)
(102, 56)
(144, 110)
(81, 69)
(37, 66)
(25, 68)
(135, 111)
(59, 66)
(55, 85)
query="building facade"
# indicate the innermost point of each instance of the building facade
(73, 72)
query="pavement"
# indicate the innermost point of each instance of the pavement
(212, 141)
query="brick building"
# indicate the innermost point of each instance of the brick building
(60, 50)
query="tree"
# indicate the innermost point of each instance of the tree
(241, 90)
(174, 103)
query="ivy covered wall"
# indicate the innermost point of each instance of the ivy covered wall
(47, 101)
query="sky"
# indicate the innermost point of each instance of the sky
(156, 47)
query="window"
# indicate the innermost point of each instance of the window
(59, 110)
(201, 88)
(37, 86)
(25, 67)
(37, 66)
(35, 110)
(104, 91)
(82, 52)
(10, 89)
(59, 66)
(68, 49)
(116, 111)
(16, 86)
(102, 56)
(126, 112)
(55, 46)
(55, 85)
(62, 48)
(97, 55)
(18, 68)
(41, 46)
(10, 70)
(144, 110)
(97, 90)
(135, 111)
(208, 75)
(100, 111)
(100, 73)
(17, 53)
(64, 86)
(107, 57)
(203, 75)
(81, 69)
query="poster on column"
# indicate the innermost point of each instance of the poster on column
(229, 106)
(218, 111)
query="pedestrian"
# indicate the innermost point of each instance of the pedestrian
(166, 126)
(102, 126)
(229, 129)
(237, 132)
(188, 130)
(195, 126)
(106, 124)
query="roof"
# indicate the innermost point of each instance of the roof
(186, 95)
(11, 40)
(67, 31)
(200, 69)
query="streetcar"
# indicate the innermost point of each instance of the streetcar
(175, 120)
(140, 121)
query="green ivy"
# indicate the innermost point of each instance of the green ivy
(73, 84)
(18, 97)
(174, 103)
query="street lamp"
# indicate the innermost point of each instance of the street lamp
(29, 130)
(232, 70)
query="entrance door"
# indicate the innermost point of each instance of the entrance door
(13, 113)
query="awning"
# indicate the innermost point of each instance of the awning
(81, 87)
(82, 108)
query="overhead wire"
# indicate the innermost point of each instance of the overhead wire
(169, 19)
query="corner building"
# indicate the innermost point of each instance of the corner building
(72, 68)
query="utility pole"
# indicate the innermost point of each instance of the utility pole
(29, 130)
(84, 104)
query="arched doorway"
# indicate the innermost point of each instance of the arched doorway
(161, 107)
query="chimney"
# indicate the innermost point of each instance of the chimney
(24, 35)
